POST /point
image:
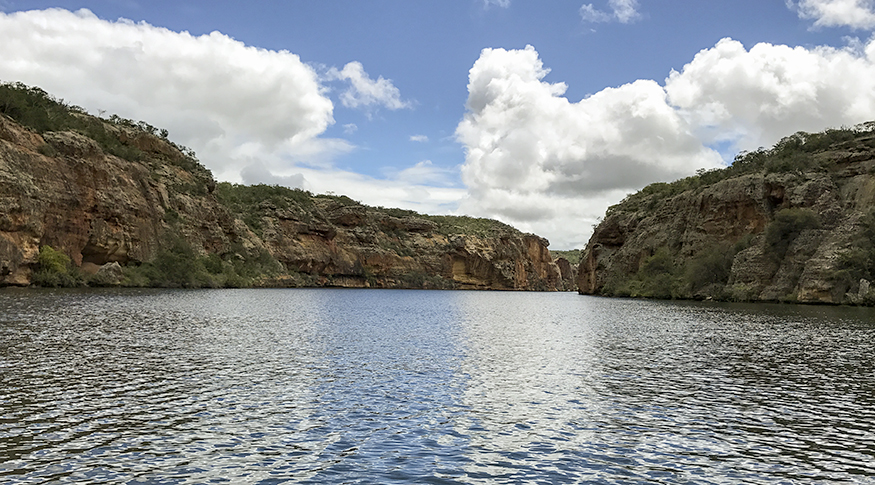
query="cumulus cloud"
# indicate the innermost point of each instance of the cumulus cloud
(623, 11)
(419, 138)
(856, 14)
(365, 92)
(753, 98)
(551, 166)
(533, 157)
(225, 99)
(253, 115)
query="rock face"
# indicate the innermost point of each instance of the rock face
(780, 225)
(339, 242)
(568, 274)
(64, 190)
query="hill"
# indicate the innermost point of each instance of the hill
(107, 201)
(792, 223)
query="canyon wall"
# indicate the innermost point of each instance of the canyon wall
(793, 223)
(67, 190)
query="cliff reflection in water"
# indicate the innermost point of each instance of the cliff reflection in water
(339, 386)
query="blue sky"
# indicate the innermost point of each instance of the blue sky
(568, 108)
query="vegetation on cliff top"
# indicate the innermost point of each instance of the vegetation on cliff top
(176, 262)
(690, 262)
(572, 255)
(38, 110)
(798, 152)
(249, 203)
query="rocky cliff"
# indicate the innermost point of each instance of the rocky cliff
(335, 241)
(792, 223)
(104, 191)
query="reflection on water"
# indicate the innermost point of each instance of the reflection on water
(348, 386)
(669, 392)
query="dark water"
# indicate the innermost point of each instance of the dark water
(346, 386)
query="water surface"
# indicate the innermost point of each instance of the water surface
(381, 386)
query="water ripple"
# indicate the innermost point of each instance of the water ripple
(322, 386)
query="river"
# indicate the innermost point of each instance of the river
(392, 386)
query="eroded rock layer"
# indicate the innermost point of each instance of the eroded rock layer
(793, 223)
(63, 189)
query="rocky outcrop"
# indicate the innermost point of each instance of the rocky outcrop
(780, 225)
(568, 274)
(65, 190)
(62, 190)
(341, 242)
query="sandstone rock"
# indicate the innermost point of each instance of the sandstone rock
(693, 217)
(106, 212)
(110, 274)
(567, 274)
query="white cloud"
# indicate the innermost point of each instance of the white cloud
(253, 115)
(350, 128)
(497, 3)
(223, 98)
(623, 11)
(419, 138)
(594, 15)
(538, 161)
(626, 11)
(754, 98)
(365, 92)
(413, 188)
(426, 173)
(257, 173)
(856, 14)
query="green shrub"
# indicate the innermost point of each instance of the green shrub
(659, 276)
(139, 275)
(657, 286)
(785, 228)
(250, 203)
(47, 150)
(711, 266)
(240, 197)
(55, 269)
(740, 292)
(339, 199)
(38, 110)
(789, 163)
(857, 262)
(656, 278)
(572, 256)
(475, 226)
(178, 265)
(253, 264)
(742, 243)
